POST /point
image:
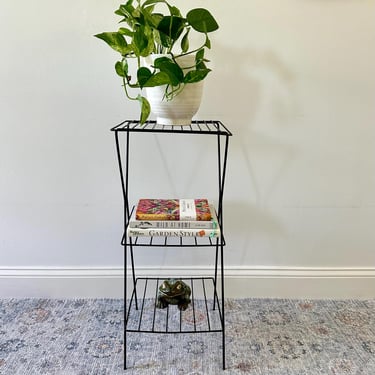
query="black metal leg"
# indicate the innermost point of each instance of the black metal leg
(124, 241)
(125, 302)
(215, 278)
(133, 274)
(222, 303)
(222, 163)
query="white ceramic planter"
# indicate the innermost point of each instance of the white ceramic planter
(181, 109)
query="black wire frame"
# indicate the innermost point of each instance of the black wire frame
(198, 127)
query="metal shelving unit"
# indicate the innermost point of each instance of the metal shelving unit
(140, 313)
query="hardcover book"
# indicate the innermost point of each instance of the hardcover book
(173, 209)
(174, 224)
(176, 232)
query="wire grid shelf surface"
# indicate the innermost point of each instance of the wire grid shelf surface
(212, 127)
(174, 241)
(201, 316)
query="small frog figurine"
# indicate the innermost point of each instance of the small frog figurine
(173, 292)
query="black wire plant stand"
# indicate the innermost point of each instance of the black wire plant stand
(140, 312)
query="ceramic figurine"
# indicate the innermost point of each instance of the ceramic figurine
(173, 292)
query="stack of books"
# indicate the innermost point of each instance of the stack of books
(173, 218)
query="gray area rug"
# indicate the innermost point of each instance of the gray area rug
(263, 336)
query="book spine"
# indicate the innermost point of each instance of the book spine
(172, 224)
(154, 232)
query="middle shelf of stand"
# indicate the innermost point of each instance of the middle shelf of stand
(172, 241)
(202, 314)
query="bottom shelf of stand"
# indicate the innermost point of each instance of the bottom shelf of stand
(202, 314)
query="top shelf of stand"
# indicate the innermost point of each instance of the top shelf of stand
(211, 127)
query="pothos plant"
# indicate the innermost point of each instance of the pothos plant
(146, 30)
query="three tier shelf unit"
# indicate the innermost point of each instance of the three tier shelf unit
(206, 311)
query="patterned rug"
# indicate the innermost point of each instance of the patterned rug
(263, 336)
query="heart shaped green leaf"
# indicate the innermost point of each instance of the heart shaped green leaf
(202, 20)
(116, 41)
(196, 75)
(168, 66)
(143, 75)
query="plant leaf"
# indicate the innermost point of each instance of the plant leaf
(202, 20)
(152, 19)
(208, 42)
(196, 75)
(143, 75)
(125, 10)
(116, 41)
(199, 60)
(158, 79)
(143, 41)
(175, 11)
(152, 2)
(166, 65)
(125, 31)
(185, 41)
(140, 40)
(172, 27)
(145, 109)
(119, 69)
(161, 60)
(199, 56)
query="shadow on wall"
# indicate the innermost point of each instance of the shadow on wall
(244, 217)
(249, 80)
(246, 225)
(259, 88)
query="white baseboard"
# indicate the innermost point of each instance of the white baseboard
(240, 282)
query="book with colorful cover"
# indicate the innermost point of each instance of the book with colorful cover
(177, 232)
(173, 224)
(173, 209)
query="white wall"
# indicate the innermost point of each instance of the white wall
(295, 82)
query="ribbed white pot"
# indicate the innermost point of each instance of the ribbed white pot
(182, 108)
